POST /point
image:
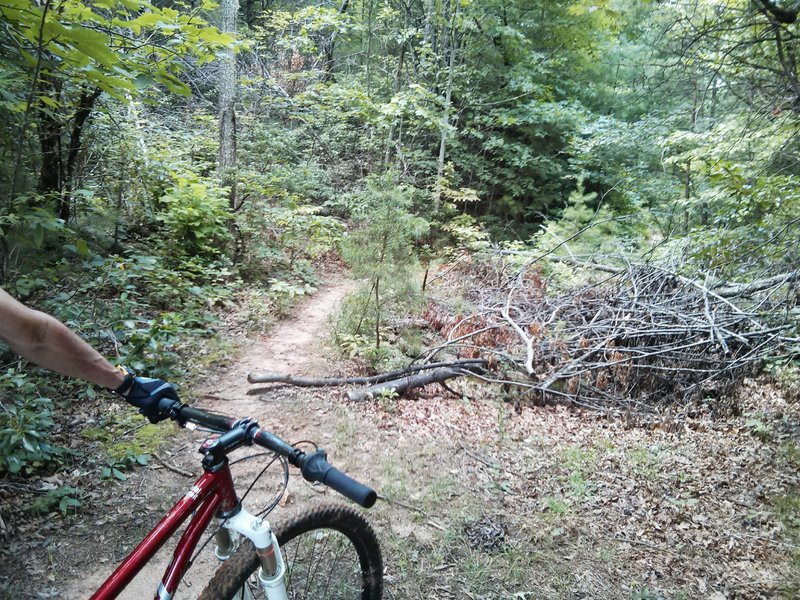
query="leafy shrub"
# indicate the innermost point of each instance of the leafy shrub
(283, 293)
(306, 233)
(25, 423)
(195, 216)
(115, 466)
(381, 251)
(62, 498)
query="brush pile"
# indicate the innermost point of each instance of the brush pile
(641, 339)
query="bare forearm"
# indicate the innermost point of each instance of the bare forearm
(50, 344)
(57, 348)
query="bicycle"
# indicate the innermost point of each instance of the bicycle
(330, 551)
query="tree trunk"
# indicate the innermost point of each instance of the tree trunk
(430, 25)
(397, 75)
(51, 172)
(369, 47)
(227, 102)
(82, 114)
(330, 46)
(437, 199)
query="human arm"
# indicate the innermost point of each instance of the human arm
(47, 342)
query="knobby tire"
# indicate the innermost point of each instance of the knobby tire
(313, 561)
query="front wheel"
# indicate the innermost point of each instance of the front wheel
(330, 552)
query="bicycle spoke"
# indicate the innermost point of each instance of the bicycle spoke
(312, 564)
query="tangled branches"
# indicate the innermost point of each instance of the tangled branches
(644, 338)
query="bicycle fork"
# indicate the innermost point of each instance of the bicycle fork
(272, 571)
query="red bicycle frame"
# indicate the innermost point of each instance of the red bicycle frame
(213, 493)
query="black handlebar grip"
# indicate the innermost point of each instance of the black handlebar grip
(202, 418)
(350, 488)
(317, 468)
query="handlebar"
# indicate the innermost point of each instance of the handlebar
(238, 432)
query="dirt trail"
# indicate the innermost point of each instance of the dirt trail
(485, 499)
(292, 346)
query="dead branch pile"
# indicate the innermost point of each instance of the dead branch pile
(642, 339)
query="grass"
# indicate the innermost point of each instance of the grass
(648, 460)
(581, 465)
(789, 453)
(787, 507)
(120, 435)
(346, 429)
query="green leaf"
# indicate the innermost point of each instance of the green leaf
(173, 84)
(29, 445)
(38, 236)
(67, 502)
(144, 81)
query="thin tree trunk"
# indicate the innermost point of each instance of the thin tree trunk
(430, 27)
(687, 189)
(437, 200)
(330, 46)
(369, 47)
(227, 103)
(28, 107)
(397, 74)
(85, 106)
(377, 314)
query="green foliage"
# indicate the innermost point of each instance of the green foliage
(353, 345)
(585, 228)
(27, 225)
(119, 46)
(116, 466)
(284, 293)
(25, 422)
(150, 346)
(645, 593)
(62, 498)
(195, 216)
(758, 427)
(126, 453)
(381, 252)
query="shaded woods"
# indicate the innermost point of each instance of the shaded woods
(594, 203)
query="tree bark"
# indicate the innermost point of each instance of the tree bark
(82, 114)
(227, 102)
(437, 199)
(402, 385)
(330, 46)
(51, 173)
(335, 381)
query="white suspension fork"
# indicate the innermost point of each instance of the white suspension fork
(272, 570)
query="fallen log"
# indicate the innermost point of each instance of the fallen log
(334, 381)
(403, 384)
(736, 289)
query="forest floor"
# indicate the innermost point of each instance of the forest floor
(484, 501)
